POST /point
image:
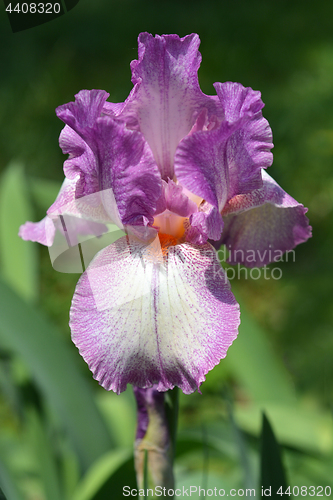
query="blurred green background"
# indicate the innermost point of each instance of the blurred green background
(61, 436)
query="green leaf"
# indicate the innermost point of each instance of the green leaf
(53, 366)
(249, 481)
(307, 429)
(252, 360)
(100, 473)
(119, 412)
(9, 484)
(44, 454)
(70, 472)
(114, 485)
(190, 483)
(18, 257)
(272, 471)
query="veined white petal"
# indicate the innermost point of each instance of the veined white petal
(145, 321)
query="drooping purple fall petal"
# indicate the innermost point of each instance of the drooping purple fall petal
(42, 232)
(262, 225)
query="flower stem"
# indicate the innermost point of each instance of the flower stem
(155, 437)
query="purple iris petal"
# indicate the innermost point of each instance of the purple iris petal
(127, 166)
(166, 95)
(174, 199)
(201, 166)
(121, 160)
(142, 321)
(82, 114)
(248, 149)
(260, 226)
(42, 232)
(205, 224)
(81, 162)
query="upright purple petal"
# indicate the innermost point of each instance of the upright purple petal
(82, 114)
(106, 155)
(260, 226)
(173, 198)
(76, 139)
(144, 320)
(166, 95)
(81, 162)
(248, 149)
(206, 224)
(201, 165)
(127, 166)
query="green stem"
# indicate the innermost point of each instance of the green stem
(156, 437)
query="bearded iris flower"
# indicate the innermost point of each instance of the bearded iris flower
(177, 171)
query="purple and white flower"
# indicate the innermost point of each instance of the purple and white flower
(175, 169)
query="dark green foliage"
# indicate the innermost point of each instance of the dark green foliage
(272, 470)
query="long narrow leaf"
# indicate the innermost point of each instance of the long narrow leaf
(249, 481)
(44, 454)
(18, 257)
(97, 476)
(27, 332)
(253, 361)
(8, 484)
(272, 472)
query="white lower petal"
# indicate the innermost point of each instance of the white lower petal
(144, 318)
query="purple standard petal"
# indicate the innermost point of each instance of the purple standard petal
(82, 114)
(248, 149)
(109, 156)
(127, 166)
(174, 198)
(201, 166)
(260, 226)
(166, 95)
(205, 224)
(142, 320)
(76, 139)
(81, 162)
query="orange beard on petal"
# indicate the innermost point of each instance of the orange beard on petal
(170, 224)
(166, 241)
